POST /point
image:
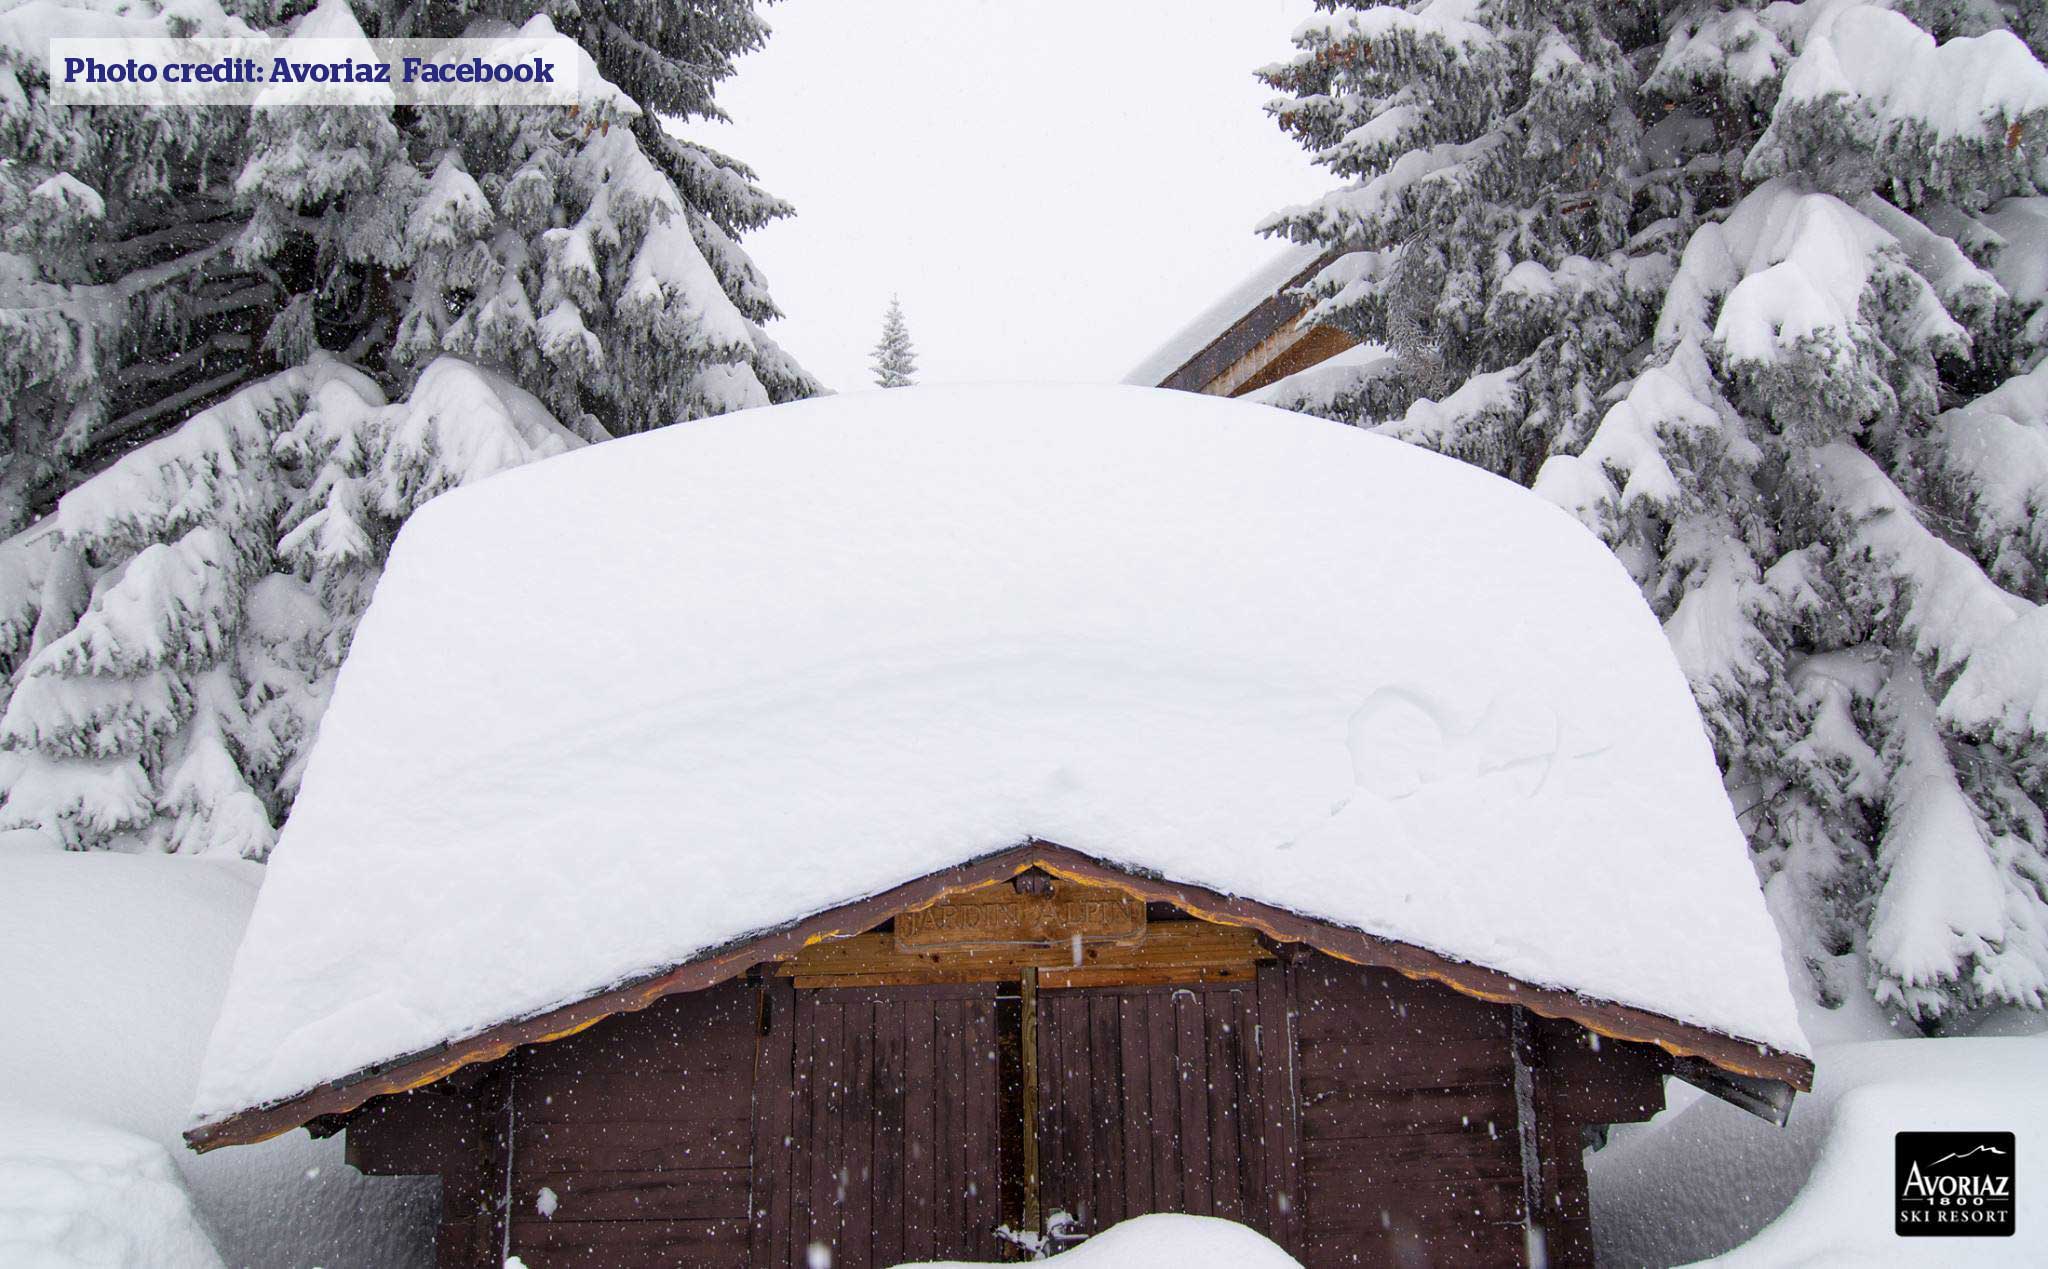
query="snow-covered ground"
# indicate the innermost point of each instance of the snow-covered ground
(75, 1193)
(114, 969)
(1166, 1241)
(1705, 1180)
(116, 963)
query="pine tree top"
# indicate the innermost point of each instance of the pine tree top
(895, 359)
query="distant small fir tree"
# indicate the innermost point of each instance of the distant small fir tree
(895, 359)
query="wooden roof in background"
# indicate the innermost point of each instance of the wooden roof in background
(1273, 318)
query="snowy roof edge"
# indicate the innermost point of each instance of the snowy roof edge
(1226, 311)
(1734, 1055)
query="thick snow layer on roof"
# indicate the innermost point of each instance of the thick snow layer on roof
(618, 707)
(1258, 286)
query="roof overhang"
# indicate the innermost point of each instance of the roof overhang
(1257, 336)
(1762, 1079)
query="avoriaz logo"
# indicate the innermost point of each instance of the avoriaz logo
(1955, 1184)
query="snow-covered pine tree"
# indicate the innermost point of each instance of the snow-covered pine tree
(173, 630)
(439, 287)
(1490, 244)
(120, 308)
(1760, 292)
(895, 360)
(592, 255)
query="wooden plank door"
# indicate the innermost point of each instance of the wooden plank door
(893, 1147)
(1166, 1099)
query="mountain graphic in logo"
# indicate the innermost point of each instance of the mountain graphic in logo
(1954, 1185)
(1967, 1154)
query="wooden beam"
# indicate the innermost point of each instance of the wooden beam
(1766, 1099)
(1615, 1021)
(876, 959)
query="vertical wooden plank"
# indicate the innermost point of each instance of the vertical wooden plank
(1251, 1126)
(460, 1238)
(1029, 1059)
(857, 1124)
(890, 1096)
(1561, 1202)
(1223, 1062)
(1132, 1045)
(1106, 1112)
(804, 1150)
(1190, 1065)
(952, 1206)
(1168, 1194)
(920, 1130)
(1052, 1143)
(1077, 1191)
(983, 1198)
(1282, 1115)
(774, 1131)
(504, 1101)
(828, 1041)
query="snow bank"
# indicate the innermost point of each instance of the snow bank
(1704, 1177)
(115, 969)
(79, 1195)
(623, 706)
(1166, 1240)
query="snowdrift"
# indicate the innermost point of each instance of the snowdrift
(1166, 1241)
(1705, 1180)
(116, 965)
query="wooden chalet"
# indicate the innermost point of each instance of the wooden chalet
(1029, 1047)
(1083, 895)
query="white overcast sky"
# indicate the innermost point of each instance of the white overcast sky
(1052, 186)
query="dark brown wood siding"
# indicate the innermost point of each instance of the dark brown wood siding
(1579, 1081)
(895, 1149)
(455, 1130)
(640, 1131)
(1355, 1115)
(1409, 1152)
(1157, 1099)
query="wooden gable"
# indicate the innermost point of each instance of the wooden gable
(1755, 1075)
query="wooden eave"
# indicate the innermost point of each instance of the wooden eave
(1729, 1054)
(1272, 315)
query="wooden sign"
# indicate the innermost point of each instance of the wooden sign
(1001, 916)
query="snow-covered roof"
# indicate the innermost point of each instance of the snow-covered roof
(1258, 286)
(614, 709)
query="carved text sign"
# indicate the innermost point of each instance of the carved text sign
(1000, 916)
